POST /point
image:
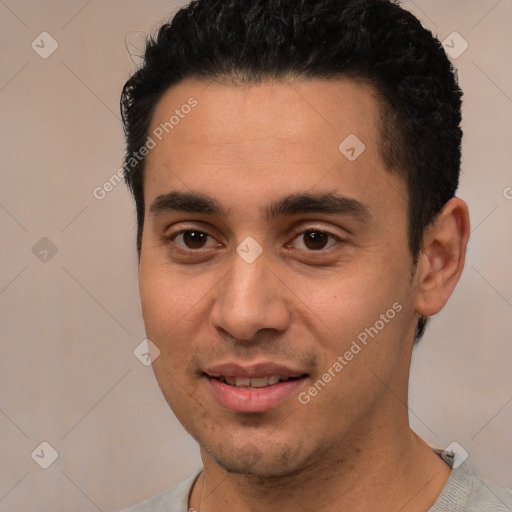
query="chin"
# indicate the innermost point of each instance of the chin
(265, 462)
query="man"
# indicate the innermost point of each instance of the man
(294, 165)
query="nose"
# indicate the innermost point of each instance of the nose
(251, 298)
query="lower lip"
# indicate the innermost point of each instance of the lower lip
(254, 399)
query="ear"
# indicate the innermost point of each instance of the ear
(442, 258)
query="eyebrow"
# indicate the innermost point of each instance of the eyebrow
(327, 203)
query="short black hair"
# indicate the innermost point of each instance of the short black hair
(373, 41)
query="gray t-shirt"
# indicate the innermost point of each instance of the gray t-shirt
(463, 492)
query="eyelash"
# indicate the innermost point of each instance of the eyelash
(172, 237)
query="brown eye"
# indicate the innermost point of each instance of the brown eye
(194, 239)
(191, 239)
(315, 240)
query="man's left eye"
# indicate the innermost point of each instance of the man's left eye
(316, 240)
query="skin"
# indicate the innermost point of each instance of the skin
(350, 448)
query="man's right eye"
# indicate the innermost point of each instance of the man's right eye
(191, 239)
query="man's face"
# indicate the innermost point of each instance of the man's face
(328, 282)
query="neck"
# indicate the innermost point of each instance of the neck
(387, 470)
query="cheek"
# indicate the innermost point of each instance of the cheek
(174, 308)
(361, 313)
(350, 300)
(166, 309)
(166, 295)
(361, 348)
(157, 301)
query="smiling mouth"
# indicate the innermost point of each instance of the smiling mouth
(256, 382)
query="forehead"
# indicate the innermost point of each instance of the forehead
(245, 142)
(286, 112)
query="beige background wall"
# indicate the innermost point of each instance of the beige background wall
(70, 323)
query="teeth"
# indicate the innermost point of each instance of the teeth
(258, 382)
(242, 381)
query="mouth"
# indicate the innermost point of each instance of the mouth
(256, 382)
(256, 388)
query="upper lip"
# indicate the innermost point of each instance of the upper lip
(264, 369)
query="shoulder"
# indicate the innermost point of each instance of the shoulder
(174, 499)
(466, 492)
(489, 496)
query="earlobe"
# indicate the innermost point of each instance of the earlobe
(443, 256)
